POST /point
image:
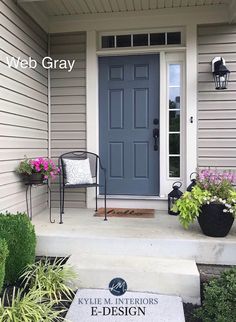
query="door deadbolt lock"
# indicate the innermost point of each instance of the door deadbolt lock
(155, 136)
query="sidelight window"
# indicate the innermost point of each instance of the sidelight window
(174, 118)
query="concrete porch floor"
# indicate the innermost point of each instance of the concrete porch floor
(151, 254)
(161, 236)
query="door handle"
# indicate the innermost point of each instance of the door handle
(155, 136)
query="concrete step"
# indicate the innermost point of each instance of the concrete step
(143, 274)
(161, 236)
(205, 250)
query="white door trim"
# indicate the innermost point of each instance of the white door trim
(191, 99)
(92, 84)
(166, 180)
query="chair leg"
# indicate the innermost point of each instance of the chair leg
(61, 204)
(63, 199)
(60, 222)
(105, 200)
(96, 198)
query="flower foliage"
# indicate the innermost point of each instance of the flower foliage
(212, 186)
(44, 166)
(219, 184)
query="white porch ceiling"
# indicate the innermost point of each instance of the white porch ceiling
(73, 15)
(78, 7)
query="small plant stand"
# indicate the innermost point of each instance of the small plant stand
(28, 197)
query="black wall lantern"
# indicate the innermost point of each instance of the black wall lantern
(220, 73)
(174, 195)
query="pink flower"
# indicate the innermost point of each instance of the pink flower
(44, 166)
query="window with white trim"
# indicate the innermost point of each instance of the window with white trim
(148, 39)
(174, 90)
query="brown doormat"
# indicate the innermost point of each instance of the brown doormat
(126, 212)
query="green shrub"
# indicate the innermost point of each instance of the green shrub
(28, 307)
(51, 278)
(19, 234)
(3, 256)
(219, 304)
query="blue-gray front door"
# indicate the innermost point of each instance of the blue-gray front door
(128, 114)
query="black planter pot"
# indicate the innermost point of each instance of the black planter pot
(34, 178)
(213, 221)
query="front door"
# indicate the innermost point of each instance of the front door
(129, 123)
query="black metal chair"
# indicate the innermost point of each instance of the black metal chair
(95, 164)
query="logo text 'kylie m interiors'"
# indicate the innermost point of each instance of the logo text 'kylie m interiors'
(47, 63)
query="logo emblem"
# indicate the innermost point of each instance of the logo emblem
(118, 286)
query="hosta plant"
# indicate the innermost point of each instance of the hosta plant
(212, 186)
(54, 279)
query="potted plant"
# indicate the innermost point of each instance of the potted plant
(212, 201)
(36, 171)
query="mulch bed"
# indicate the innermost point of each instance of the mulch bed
(188, 312)
(126, 212)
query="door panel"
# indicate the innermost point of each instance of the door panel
(116, 160)
(141, 159)
(116, 109)
(141, 108)
(128, 104)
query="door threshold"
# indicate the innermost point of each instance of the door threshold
(133, 197)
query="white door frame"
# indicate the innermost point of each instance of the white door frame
(190, 98)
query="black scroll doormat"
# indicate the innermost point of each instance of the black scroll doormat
(126, 212)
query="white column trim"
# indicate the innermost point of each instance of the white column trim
(191, 99)
(92, 119)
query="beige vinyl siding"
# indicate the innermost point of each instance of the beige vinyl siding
(23, 105)
(68, 118)
(216, 109)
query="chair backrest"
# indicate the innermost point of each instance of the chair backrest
(80, 155)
